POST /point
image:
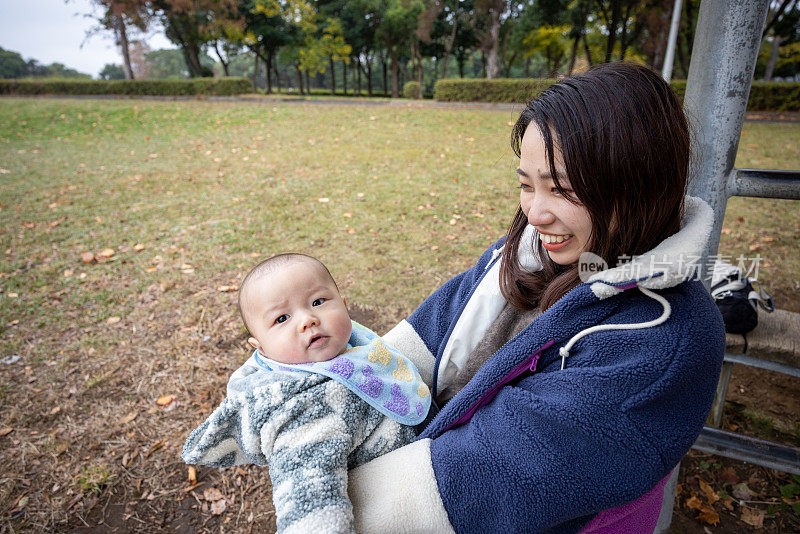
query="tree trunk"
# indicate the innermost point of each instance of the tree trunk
(483, 63)
(773, 58)
(395, 74)
(277, 78)
(587, 51)
(611, 26)
(123, 43)
(299, 78)
(221, 59)
(268, 73)
(358, 76)
(369, 76)
(573, 55)
(308, 83)
(448, 45)
(333, 76)
(255, 71)
(493, 67)
(385, 84)
(344, 77)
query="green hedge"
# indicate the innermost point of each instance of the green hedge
(764, 96)
(195, 86)
(483, 90)
(412, 90)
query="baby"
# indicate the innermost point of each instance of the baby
(320, 395)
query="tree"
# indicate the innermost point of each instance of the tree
(551, 43)
(193, 24)
(169, 63)
(783, 26)
(266, 31)
(112, 72)
(395, 32)
(118, 16)
(492, 13)
(12, 65)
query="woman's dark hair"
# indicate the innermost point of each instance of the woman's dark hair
(625, 144)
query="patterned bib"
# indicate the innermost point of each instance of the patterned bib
(374, 371)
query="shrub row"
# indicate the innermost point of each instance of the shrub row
(482, 90)
(764, 96)
(195, 86)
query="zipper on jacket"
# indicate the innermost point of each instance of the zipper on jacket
(453, 424)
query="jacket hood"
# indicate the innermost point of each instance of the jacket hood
(673, 261)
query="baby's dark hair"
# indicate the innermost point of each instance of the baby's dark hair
(269, 266)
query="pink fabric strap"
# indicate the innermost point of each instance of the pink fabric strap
(637, 517)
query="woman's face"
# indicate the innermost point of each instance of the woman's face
(564, 226)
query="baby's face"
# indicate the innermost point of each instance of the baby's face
(296, 314)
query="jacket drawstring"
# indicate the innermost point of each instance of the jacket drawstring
(564, 351)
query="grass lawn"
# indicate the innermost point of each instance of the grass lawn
(171, 202)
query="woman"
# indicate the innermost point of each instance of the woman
(565, 405)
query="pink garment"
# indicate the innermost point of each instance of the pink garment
(637, 517)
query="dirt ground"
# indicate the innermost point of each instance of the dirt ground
(121, 472)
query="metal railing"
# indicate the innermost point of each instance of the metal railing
(727, 40)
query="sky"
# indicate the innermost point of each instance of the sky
(51, 31)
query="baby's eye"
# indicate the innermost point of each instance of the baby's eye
(318, 302)
(282, 319)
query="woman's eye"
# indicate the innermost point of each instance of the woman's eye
(282, 319)
(318, 302)
(525, 187)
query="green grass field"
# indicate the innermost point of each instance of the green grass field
(175, 201)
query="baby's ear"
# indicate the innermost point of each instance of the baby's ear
(253, 342)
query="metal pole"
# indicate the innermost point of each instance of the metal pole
(726, 46)
(669, 58)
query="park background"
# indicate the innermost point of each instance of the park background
(126, 226)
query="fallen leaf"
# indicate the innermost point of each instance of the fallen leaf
(218, 507)
(192, 475)
(6, 431)
(755, 246)
(752, 517)
(323, 200)
(726, 231)
(741, 491)
(128, 418)
(729, 476)
(212, 494)
(767, 239)
(708, 515)
(351, 230)
(226, 289)
(55, 410)
(708, 491)
(56, 223)
(255, 254)
(87, 257)
(98, 219)
(106, 253)
(138, 247)
(165, 400)
(694, 503)
(12, 295)
(113, 320)
(347, 214)
(67, 273)
(155, 447)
